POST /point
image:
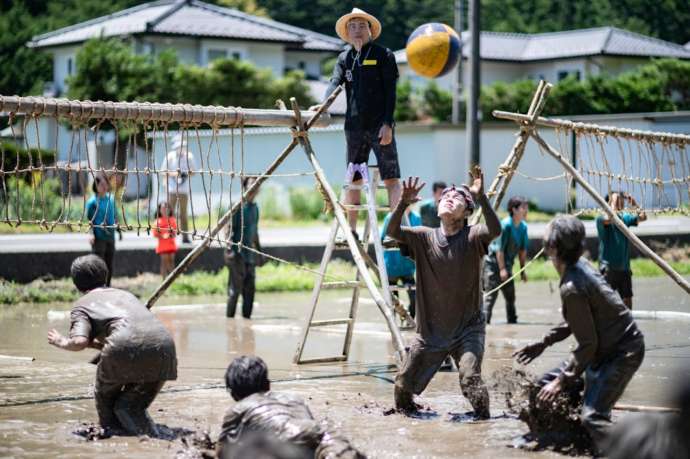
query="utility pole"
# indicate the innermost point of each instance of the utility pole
(457, 83)
(472, 121)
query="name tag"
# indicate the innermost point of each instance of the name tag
(369, 62)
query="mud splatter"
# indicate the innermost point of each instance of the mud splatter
(555, 426)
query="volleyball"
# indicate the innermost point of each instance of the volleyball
(433, 49)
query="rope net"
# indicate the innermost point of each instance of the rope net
(54, 153)
(651, 169)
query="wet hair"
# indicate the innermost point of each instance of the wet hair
(96, 180)
(245, 376)
(246, 180)
(438, 186)
(515, 202)
(159, 214)
(567, 235)
(89, 272)
(608, 197)
(264, 445)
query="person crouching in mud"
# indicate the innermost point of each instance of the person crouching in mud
(137, 352)
(450, 320)
(610, 347)
(286, 417)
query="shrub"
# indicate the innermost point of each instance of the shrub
(306, 203)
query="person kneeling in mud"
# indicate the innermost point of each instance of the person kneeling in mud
(610, 347)
(260, 409)
(137, 352)
(450, 320)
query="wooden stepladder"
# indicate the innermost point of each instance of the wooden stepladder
(370, 183)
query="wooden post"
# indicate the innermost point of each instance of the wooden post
(250, 193)
(398, 342)
(611, 214)
(507, 169)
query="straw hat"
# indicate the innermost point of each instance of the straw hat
(341, 25)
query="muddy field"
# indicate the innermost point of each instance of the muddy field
(42, 402)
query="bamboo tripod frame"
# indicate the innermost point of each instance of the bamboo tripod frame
(300, 137)
(528, 129)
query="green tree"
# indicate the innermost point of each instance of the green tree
(404, 106)
(23, 70)
(110, 70)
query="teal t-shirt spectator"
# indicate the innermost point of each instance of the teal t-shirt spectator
(246, 226)
(100, 210)
(512, 240)
(429, 213)
(398, 265)
(614, 247)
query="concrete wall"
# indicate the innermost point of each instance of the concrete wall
(432, 152)
(24, 267)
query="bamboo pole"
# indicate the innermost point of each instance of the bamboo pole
(507, 169)
(398, 342)
(612, 215)
(145, 111)
(249, 194)
(636, 134)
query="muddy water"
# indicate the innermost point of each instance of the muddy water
(44, 401)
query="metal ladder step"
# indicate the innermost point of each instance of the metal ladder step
(340, 358)
(343, 284)
(329, 322)
(365, 186)
(364, 207)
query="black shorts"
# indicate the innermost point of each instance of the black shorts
(359, 145)
(619, 280)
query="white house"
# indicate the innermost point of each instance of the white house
(199, 32)
(555, 55)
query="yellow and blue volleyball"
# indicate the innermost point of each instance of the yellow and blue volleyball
(433, 49)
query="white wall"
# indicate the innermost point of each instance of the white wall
(431, 152)
(312, 62)
(187, 49)
(268, 55)
(232, 49)
(61, 57)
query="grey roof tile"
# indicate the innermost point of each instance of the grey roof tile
(571, 43)
(190, 18)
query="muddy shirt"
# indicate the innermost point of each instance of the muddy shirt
(449, 294)
(286, 416)
(137, 348)
(595, 314)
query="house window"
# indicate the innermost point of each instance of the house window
(563, 74)
(214, 54)
(69, 66)
(302, 65)
(236, 55)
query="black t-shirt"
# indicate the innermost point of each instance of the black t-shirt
(370, 80)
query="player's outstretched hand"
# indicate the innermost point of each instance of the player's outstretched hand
(529, 353)
(411, 189)
(476, 180)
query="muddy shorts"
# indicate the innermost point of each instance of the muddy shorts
(359, 145)
(423, 361)
(619, 280)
